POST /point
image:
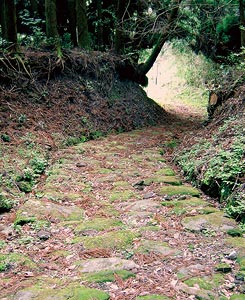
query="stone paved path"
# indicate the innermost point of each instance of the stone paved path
(112, 220)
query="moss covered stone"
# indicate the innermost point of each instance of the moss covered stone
(122, 195)
(111, 240)
(238, 297)
(172, 180)
(215, 221)
(179, 190)
(166, 172)
(206, 283)
(105, 264)
(71, 292)
(15, 259)
(34, 208)
(107, 276)
(223, 268)
(148, 246)
(153, 297)
(241, 262)
(191, 202)
(98, 224)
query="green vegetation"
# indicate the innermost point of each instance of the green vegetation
(5, 203)
(216, 167)
(107, 276)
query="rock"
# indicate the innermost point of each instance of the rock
(223, 268)
(232, 255)
(149, 195)
(103, 264)
(43, 235)
(81, 164)
(38, 209)
(157, 247)
(214, 221)
(141, 205)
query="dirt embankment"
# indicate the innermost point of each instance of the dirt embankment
(79, 97)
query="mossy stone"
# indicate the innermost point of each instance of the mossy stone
(172, 180)
(98, 224)
(153, 297)
(206, 283)
(7, 260)
(238, 242)
(148, 246)
(34, 208)
(224, 268)
(238, 297)
(241, 262)
(107, 276)
(191, 202)
(166, 172)
(71, 292)
(179, 190)
(122, 195)
(111, 240)
(215, 221)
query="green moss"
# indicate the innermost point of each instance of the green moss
(148, 246)
(71, 292)
(107, 276)
(192, 202)
(152, 297)
(237, 297)
(104, 171)
(241, 262)
(172, 180)
(121, 184)
(122, 195)
(206, 283)
(166, 172)
(208, 210)
(224, 268)
(111, 240)
(236, 242)
(179, 190)
(7, 260)
(98, 224)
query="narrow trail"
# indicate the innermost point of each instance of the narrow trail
(121, 225)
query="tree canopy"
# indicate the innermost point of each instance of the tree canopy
(215, 27)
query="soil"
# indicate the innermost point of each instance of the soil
(111, 218)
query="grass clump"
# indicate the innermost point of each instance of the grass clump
(5, 204)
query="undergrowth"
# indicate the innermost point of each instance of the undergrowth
(217, 166)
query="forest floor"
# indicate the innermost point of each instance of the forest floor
(113, 218)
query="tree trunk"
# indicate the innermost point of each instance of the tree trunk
(72, 21)
(83, 39)
(119, 37)
(51, 19)
(242, 22)
(3, 20)
(172, 19)
(9, 23)
(99, 26)
(51, 25)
